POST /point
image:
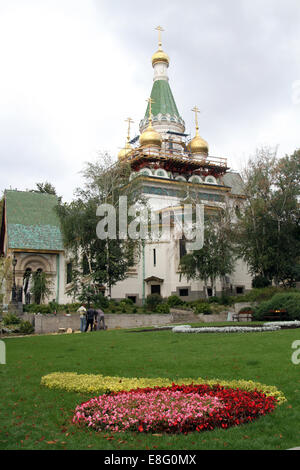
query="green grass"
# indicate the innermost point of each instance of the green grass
(34, 417)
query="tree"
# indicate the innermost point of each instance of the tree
(41, 286)
(268, 227)
(98, 261)
(5, 277)
(216, 258)
(45, 188)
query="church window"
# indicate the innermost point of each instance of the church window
(209, 292)
(182, 248)
(183, 292)
(85, 266)
(210, 180)
(239, 290)
(155, 289)
(161, 173)
(154, 257)
(69, 272)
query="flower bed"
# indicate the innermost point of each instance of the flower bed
(97, 383)
(175, 409)
(291, 324)
(225, 329)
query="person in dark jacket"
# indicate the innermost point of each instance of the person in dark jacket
(90, 314)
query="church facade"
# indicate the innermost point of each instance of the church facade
(169, 165)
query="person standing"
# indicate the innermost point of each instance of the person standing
(82, 312)
(90, 315)
(100, 319)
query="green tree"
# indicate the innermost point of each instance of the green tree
(45, 188)
(216, 258)
(268, 227)
(98, 262)
(41, 286)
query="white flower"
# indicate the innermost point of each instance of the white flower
(225, 329)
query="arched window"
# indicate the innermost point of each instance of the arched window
(180, 178)
(195, 179)
(210, 180)
(146, 172)
(161, 173)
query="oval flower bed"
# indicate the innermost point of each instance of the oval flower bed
(175, 409)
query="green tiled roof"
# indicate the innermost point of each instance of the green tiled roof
(32, 222)
(164, 102)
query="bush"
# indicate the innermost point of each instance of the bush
(26, 328)
(174, 301)
(99, 301)
(203, 308)
(289, 302)
(127, 301)
(153, 300)
(260, 282)
(11, 319)
(162, 308)
(246, 310)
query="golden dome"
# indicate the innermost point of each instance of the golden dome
(125, 151)
(198, 145)
(150, 137)
(160, 56)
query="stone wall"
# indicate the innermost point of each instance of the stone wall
(49, 323)
(188, 316)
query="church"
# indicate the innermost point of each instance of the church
(168, 163)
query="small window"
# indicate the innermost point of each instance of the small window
(182, 248)
(240, 290)
(69, 273)
(209, 292)
(154, 256)
(132, 297)
(155, 289)
(183, 292)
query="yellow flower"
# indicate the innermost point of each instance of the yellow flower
(91, 383)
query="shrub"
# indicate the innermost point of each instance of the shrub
(289, 302)
(246, 310)
(11, 319)
(260, 282)
(26, 328)
(204, 308)
(174, 300)
(162, 308)
(153, 300)
(127, 301)
(99, 301)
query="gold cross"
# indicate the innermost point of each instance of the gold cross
(159, 29)
(196, 111)
(129, 120)
(150, 102)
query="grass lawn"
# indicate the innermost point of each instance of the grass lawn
(34, 417)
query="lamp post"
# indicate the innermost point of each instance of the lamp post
(14, 287)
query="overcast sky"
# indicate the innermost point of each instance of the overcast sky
(71, 72)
